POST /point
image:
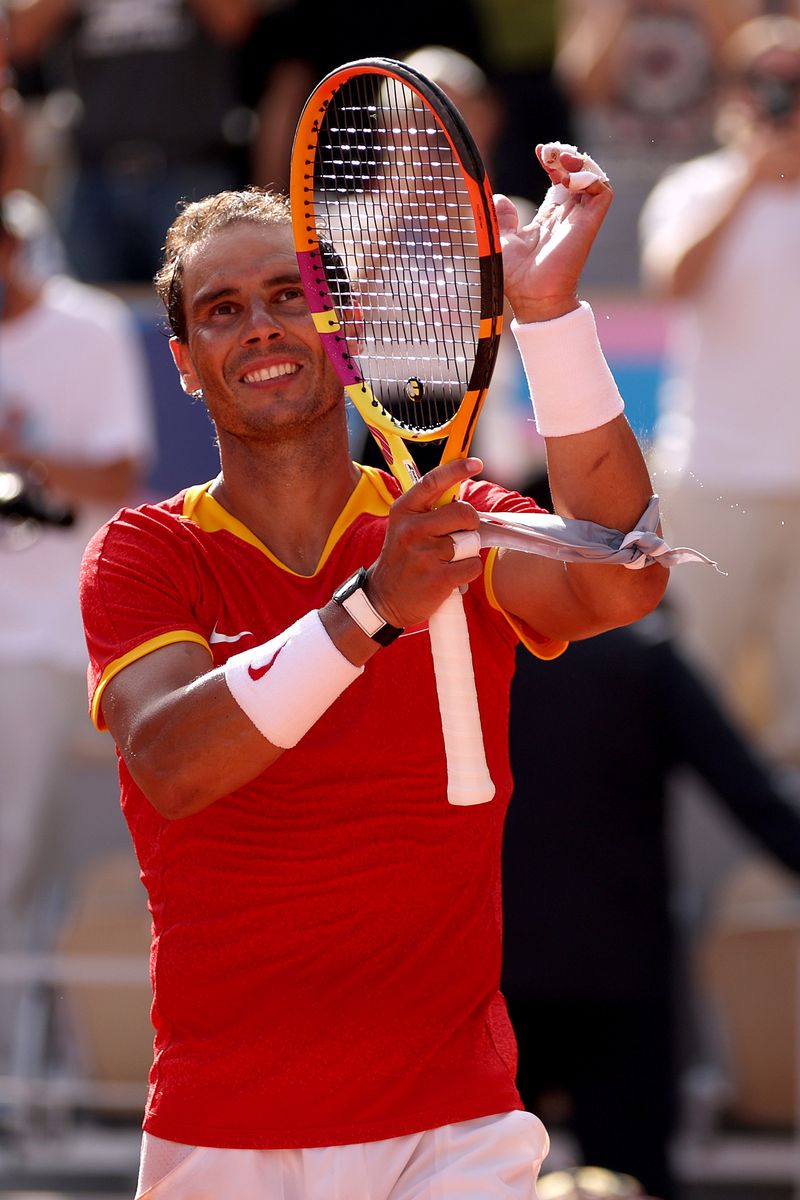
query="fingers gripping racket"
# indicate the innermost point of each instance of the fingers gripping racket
(399, 254)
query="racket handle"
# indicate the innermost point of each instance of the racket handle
(468, 778)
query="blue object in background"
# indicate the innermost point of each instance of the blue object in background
(638, 380)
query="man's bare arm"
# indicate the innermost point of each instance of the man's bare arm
(596, 476)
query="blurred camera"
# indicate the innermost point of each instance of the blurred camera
(776, 97)
(23, 500)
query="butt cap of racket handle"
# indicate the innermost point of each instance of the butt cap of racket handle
(468, 778)
(469, 793)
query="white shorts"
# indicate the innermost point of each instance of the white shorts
(491, 1158)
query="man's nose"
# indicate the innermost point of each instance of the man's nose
(261, 323)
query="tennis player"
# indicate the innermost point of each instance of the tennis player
(326, 934)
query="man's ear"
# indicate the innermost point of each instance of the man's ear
(183, 361)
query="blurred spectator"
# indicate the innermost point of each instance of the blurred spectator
(468, 86)
(589, 957)
(291, 49)
(12, 170)
(519, 46)
(157, 116)
(74, 432)
(721, 237)
(640, 74)
(44, 251)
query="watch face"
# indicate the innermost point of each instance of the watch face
(361, 610)
(350, 585)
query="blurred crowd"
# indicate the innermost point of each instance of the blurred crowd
(111, 112)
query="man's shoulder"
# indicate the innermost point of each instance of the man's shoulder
(136, 521)
(167, 510)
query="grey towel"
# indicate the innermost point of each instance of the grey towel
(584, 541)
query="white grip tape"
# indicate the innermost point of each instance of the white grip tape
(285, 685)
(468, 778)
(572, 388)
(466, 544)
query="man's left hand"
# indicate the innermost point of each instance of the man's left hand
(542, 261)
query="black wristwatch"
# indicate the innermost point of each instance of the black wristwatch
(352, 595)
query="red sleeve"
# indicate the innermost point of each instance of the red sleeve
(480, 493)
(490, 497)
(138, 590)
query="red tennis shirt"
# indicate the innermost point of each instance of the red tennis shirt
(326, 940)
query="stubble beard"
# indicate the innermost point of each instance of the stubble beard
(282, 422)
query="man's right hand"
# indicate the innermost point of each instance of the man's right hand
(414, 572)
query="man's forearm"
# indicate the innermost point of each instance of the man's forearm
(599, 475)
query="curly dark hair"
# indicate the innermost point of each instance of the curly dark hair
(194, 222)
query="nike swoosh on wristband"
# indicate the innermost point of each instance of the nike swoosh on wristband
(257, 673)
(215, 636)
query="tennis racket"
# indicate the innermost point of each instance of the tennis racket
(399, 254)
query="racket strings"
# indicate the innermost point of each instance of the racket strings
(398, 218)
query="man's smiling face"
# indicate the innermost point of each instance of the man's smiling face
(251, 346)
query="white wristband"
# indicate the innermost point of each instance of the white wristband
(285, 685)
(571, 386)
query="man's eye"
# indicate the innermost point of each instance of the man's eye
(222, 310)
(292, 293)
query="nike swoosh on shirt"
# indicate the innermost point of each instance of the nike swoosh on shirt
(215, 636)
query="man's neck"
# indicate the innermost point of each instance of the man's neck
(289, 496)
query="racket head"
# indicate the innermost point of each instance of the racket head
(399, 253)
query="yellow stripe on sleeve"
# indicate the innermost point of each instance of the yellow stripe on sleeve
(119, 664)
(541, 647)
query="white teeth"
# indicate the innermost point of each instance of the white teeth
(273, 372)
